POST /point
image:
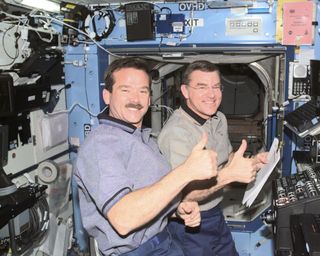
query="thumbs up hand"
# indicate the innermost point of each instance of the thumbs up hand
(241, 169)
(202, 163)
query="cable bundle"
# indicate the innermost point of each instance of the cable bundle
(90, 25)
(37, 232)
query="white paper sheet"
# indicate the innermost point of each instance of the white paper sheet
(255, 187)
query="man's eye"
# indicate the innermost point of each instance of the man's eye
(202, 87)
(144, 91)
(124, 90)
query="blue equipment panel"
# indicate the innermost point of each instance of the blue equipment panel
(170, 23)
(205, 26)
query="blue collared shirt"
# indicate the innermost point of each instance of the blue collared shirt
(115, 159)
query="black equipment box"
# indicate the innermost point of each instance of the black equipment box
(24, 97)
(139, 21)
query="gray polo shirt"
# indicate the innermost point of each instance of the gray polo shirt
(183, 131)
(114, 160)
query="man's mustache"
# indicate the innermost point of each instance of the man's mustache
(132, 105)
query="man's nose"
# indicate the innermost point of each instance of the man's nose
(211, 92)
(134, 96)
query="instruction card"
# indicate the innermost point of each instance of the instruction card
(297, 23)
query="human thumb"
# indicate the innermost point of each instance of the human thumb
(243, 147)
(187, 208)
(202, 143)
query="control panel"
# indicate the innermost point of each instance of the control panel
(295, 194)
(243, 26)
(299, 187)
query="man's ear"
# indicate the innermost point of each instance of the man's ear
(106, 96)
(185, 91)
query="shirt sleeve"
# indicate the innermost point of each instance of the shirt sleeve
(176, 144)
(101, 167)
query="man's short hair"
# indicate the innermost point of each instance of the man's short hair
(201, 65)
(130, 62)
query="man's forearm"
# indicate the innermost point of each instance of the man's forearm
(193, 191)
(139, 207)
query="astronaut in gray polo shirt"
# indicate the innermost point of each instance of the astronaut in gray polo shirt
(126, 188)
(201, 88)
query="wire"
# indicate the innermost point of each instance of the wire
(45, 39)
(25, 23)
(20, 23)
(86, 90)
(167, 9)
(38, 228)
(77, 105)
(104, 14)
(76, 29)
(168, 109)
(8, 64)
(158, 98)
(3, 44)
(20, 18)
(302, 97)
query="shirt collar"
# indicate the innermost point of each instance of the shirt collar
(144, 132)
(104, 117)
(192, 114)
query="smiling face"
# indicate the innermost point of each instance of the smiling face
(202, 94)
(130, 96)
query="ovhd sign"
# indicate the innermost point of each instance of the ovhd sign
(192, 6)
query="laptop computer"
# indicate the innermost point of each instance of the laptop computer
(304, 120)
